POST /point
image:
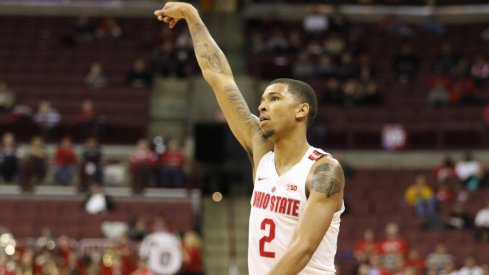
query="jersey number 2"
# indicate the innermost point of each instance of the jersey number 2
(267, 239)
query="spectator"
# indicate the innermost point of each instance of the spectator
(481, 222)
(139, 76)
(392, 262)
(97, 201)
(64, 162)
(449, 269)
(326, 67)
(35, 164)
(470, 267)
(164, 59)
(348, 68)
(151, 248)
(420, 195)
(446, 192)
(464, 91)
(303, 68)
(108, 28)
(393, 241)
(414, 260)
(88, 123)
(7, 97)
(447, 59)
(439, 258)
(394, 26)
(430, 26)
(458, 218)
(296, 43)
(376, 266)
(339, 23)
(315, 23)
(46, 263)
(95, 78)
(366, 70)
(192, 254)
(469, 171)
(84, 30)
(445, 170)
(64, 248)
(172, 166)
(480, 70)
(406, 64)
(352, 93)
(335, 46)
(438, 95)
(48, 119)
(371, 96)
(367, 247)
(333, 93)
(142, 164)
(26, 263)
(137, 229)
(161, 224)
(9, 163)
(91, 166)
(277, 42)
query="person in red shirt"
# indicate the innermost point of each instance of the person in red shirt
(393, 242)
(65, 162)
(142, 165)
(366, 247)
(192, 254)
(172, 166)
(88, 123)
(415, 261)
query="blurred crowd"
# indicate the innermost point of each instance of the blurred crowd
(127, 253)
(392, 254)
(440, 203)
(330, 49)
(161, 163)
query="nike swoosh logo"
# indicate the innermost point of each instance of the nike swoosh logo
(260, 179)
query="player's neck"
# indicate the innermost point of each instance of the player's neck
(288, 152)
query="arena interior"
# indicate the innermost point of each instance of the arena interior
(110, 133)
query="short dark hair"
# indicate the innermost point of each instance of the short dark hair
(304, 93)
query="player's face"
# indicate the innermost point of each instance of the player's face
(277, 109)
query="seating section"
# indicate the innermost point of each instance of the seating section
(375, 197)
(405, 103)
(40, 59)
(28, 217)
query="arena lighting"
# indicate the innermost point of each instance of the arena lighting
(8, 243)
(217, 196)
(10, 250)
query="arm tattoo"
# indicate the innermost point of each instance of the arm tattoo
(328, 179)
(233, 96)
(208, 53)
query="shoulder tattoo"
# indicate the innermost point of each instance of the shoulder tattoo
(328, 179)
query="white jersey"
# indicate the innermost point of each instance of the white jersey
(276, 206)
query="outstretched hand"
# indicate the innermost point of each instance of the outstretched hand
(172, 12)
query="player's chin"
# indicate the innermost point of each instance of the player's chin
(267, 133)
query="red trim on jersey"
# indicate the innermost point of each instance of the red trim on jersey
(315, 155)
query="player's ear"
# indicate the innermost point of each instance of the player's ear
(302, 111)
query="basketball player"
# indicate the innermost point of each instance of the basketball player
(298, 194)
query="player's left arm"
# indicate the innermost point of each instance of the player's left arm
(325, 185)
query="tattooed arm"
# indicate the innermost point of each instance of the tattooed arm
(325, 197)
(216, 71)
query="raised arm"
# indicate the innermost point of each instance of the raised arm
(216, 71)
(325, 185)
